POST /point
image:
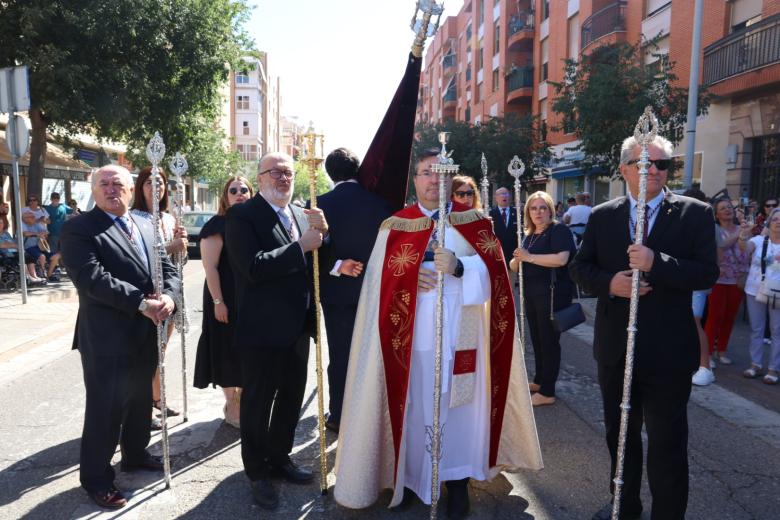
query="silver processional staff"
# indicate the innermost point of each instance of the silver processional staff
(645, 132)
(179, 167)
(516, 169)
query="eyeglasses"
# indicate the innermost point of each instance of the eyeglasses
(770, 205)
(277, 174)
(244, 190)
(469, 193)
(660, 164)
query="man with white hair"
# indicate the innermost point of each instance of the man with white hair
(677, 256)
(107, 254)
(269, 242)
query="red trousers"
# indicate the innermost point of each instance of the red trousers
(723, 304)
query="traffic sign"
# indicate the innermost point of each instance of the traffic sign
(17, 135)
(14, 90)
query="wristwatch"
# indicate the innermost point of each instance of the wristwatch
(217, 301)
(143, 306)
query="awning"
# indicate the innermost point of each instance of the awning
(566, 174)
(59, 164)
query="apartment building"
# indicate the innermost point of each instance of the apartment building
(500, 56)
(254, 123)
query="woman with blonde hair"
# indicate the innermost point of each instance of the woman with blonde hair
(546, 250)
(216, 363)
(464, 190)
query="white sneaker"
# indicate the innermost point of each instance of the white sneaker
(723, 360)
(703, 377)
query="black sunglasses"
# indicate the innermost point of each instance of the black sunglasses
(244, 190)
(660, 164)
(770, 205)
(469, 193)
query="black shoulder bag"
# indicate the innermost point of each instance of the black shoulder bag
(566, 318)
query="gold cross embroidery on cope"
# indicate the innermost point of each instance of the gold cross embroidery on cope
(489, 244)
(400, 261)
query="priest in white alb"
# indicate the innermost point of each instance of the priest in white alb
(486, 418)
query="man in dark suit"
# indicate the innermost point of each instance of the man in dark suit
(106, 253)
(677, 257)
(354, 216)
(270, 241)
(504, 217)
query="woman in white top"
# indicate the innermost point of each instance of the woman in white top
(757, 311)
(175, 241)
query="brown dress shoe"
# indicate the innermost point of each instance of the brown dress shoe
(108, 498)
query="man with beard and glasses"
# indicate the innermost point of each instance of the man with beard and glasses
(270, 242)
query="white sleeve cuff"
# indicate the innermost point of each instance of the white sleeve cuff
(336, 267)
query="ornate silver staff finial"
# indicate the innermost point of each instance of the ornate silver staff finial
(516, 168)
(179, 165)
(422, 26)
(155, 150)
(646, 129)
(485, 186)
(444, 157)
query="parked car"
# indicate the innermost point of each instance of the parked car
(193, 222)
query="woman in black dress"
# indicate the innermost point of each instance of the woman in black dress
(545, 251)
(216, 362)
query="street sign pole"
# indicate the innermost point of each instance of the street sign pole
(17, 139)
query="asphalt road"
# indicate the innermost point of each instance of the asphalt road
(734, 448)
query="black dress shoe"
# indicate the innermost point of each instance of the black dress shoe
(291, 472)
(332, 426)
(108, 498)
(150, 462)
(605, 513)
(458, 505)
(264, 494)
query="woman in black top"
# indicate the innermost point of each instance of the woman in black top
(216, 362)
(545, 251)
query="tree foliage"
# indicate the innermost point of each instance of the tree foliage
(123, 70)
(603, 95)
(301, 190)
(499, 138)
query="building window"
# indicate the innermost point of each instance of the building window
(545, 9)
(480, 57)
(468, 34)
(574, 36)
(245, 128)
(496, 38)
(495, 80)
(468, 114)
(545, 58)
(242, 78)
(468, 73)
(481, 12)
(242, 103)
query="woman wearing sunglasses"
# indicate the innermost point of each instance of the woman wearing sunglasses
(464, 191)
(215, 362)
(770, 203)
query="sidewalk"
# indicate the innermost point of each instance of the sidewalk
(36, 333)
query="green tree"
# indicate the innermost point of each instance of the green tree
(122, 70)
(301, 191)
(499, 138)
(603, 95)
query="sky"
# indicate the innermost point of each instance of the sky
(340, 61)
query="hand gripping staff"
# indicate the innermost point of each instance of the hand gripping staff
(179, 167)
(645, 133)
(155, 151)
(516, 169)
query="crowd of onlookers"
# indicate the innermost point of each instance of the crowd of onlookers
(40, 229)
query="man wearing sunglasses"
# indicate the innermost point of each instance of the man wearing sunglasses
(270, 242)
(677, 256)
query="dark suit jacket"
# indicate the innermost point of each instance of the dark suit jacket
(354, 215)
(274, 292)
(111, 278)
(683, 239)
(507, 235)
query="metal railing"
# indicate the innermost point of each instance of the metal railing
(522, 21)
(451, 95)
(606, 20)
(751, 48)
(448, 61)
(521, 77)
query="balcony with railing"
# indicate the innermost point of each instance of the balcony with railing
(520, 29)
(753, 48)
(520, 85)
(610, 19)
